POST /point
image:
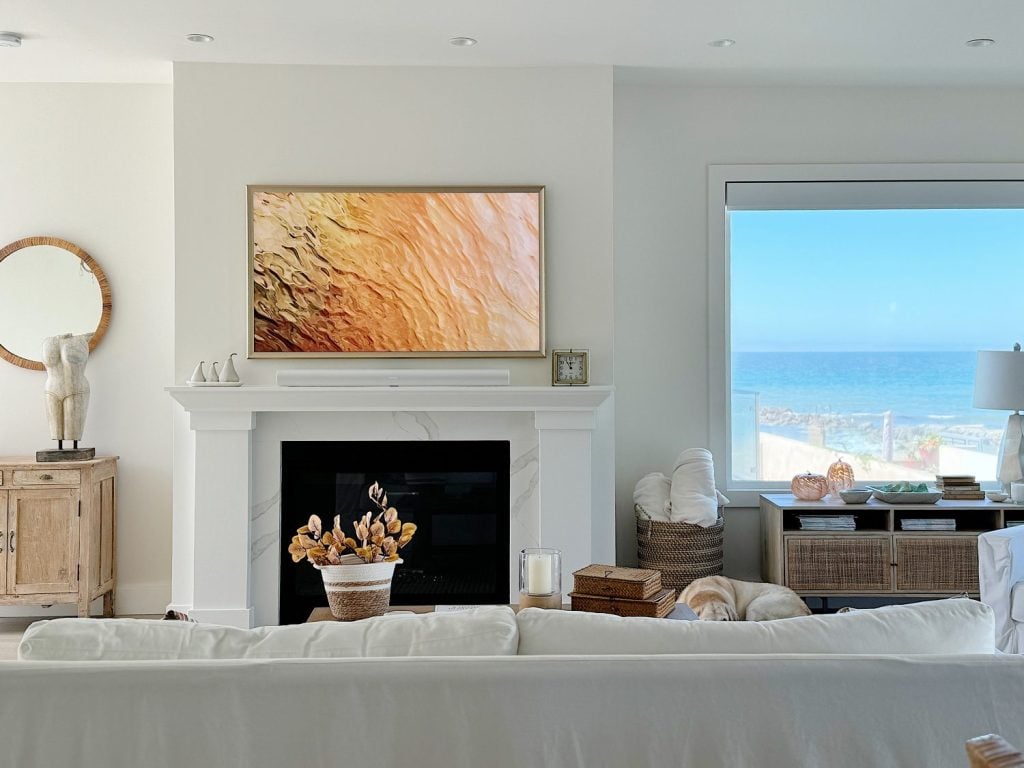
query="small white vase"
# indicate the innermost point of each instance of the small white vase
(358, 590)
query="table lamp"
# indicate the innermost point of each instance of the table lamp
(999, 385)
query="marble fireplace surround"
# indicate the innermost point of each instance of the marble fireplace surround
(226, 528)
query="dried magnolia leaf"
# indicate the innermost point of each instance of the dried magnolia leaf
(303, 529)
(394, 526)
(362, 532)
(296, 550)
(390, 514)
(389, 545)
(403, 540)
(327, 539)
(377, 529)
(351, 543)
(314, 525)
(337, 522)
(408, 529)
(391, 558)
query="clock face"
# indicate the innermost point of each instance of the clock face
(570, 367)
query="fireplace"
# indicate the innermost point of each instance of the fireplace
(227, 528)
(455, 491)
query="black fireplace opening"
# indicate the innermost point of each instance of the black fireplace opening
(455, 491)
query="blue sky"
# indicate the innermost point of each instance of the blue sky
(877, 280)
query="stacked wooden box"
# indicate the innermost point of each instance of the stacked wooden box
(621, 591)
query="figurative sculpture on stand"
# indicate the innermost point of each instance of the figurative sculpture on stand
(67, 395)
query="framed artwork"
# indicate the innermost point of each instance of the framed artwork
(396, 272)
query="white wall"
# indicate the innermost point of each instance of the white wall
(665, 137)
(92, 164)
(238, 124)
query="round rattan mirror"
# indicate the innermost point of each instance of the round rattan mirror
(48, 286)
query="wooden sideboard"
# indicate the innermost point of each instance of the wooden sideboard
(878, 559)
(57, 532)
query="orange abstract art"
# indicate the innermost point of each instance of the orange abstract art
(399, 272)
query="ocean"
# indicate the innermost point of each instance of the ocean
(920, 388)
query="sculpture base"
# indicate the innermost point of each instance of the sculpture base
(79, 454)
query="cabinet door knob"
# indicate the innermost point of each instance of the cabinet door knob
(10, 542)
(46, 477)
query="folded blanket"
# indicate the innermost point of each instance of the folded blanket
(652, 493)
(694, 498)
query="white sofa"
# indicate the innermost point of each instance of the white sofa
(512, 708)
(1001, 569)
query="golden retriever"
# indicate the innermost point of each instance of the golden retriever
(719, 598)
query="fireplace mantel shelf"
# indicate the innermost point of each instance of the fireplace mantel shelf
(264, 399)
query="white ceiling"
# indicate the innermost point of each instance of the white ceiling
(895, 42)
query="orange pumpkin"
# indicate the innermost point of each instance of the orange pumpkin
(839, 476)
(809, 486)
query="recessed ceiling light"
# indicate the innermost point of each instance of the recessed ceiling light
(198, 37)
(980, 42)
(10, 40)
(725, 42)
(462, 42)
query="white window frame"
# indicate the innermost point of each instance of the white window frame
(742, 494)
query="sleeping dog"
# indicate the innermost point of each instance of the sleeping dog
(719, 598)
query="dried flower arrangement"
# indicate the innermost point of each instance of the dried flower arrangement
(374, 542)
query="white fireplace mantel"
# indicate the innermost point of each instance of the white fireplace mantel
(572, 492)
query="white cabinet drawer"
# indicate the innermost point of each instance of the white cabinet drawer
(47, 477)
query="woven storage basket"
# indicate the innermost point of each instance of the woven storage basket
(681, 551)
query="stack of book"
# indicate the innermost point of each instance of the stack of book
(827, 523)
(959, 487)
(928, 524)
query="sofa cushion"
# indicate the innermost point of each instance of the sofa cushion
(938, 627)
(489, 631)
(1017, 602)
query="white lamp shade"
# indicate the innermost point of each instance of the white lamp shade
(999, 381)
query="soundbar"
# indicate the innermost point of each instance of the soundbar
(394, 378)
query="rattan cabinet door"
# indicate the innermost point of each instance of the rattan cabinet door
(839, 563)
(937, 563)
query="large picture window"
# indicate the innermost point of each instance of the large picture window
(855, 313)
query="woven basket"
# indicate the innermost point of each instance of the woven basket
(681, 551)
(358, 590)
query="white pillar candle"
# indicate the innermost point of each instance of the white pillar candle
(538, 575)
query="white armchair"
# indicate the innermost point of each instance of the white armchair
(1001, 567)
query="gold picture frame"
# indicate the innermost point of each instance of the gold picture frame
(395, 271)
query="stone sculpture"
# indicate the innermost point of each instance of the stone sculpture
(67, 394)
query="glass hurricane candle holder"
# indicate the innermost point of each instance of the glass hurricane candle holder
(540, 578)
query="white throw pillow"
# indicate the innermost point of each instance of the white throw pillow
(486, 631)
(938, 627)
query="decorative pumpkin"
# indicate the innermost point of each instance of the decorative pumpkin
(839, 476)
(809, 486)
